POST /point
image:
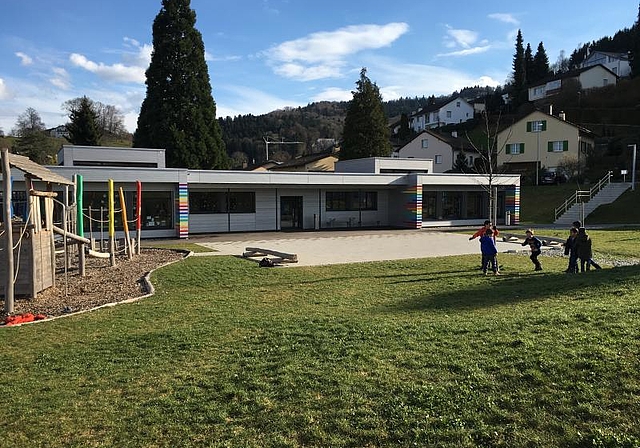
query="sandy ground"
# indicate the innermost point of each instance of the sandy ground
(321, 248)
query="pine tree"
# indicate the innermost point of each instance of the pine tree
(365, 132)
(635, 49)
(528, 64)
(83, 126)
(540, 64)
(179, 112)
(519, 71)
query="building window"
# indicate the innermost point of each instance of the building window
(211, 202)
(425, 143)
(429, 201)
(156, 213)
(558, 146)
(338, 201)
(474, 205)
(457, 103)
(537, 126)
(448, 114)
(514, 148)
(451, 205)
(605, 81)
(538, 91)
(438, 159)
(470, 161)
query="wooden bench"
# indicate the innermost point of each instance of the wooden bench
(279, 257)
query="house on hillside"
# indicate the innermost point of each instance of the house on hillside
(618, 63)
(321, 162)
(60, 131)
(442, 149)
(542, 140)
(457, 110)
(591, 77)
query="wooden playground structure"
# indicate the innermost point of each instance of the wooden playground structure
(28, 246)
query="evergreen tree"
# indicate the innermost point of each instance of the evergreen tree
(635, 47)
(83, 126)
(540, 64)
(365, 132)
(528, 64)
(519, 72)
(404, 132)
(179, 112)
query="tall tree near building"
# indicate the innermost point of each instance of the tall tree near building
(110, 119)
(365, 132)
(179, 113)
(540, 64)
(83, 126)
(519, 71)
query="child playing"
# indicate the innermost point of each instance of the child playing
(489, 252)
(483, 230)
(583, 250)
(570, 249)
(535, 244)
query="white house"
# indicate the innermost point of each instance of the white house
(618, 63)
(457, 110)
(592, 77)
(442, 149)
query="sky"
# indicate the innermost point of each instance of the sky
(265, 55)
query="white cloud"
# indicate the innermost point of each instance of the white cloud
(467, 51)
(333, 94)
(504, 17)
(320, 55)
(24, 59)
(4, 91)
(462, 38)
(114, 73)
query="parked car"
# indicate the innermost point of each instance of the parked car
(554, 177)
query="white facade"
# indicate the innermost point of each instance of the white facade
(592, 77)
(618, 63)
(455, 111)
(429, 145)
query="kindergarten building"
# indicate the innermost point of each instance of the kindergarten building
(363, 193)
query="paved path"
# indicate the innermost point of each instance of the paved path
(321, 248)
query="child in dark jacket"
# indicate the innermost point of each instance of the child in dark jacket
(570, 249)
(489, 252)
(534, 244)
(584, 250)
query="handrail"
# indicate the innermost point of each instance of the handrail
(582, 195)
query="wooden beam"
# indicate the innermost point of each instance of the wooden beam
(8, 232)
(256, 252)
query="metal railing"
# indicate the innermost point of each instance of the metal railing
(582, 196)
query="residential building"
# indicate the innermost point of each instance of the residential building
(442, 149)
(591, 77)
(618, 63)
(60, 131)
(541, 140)
(457, 110)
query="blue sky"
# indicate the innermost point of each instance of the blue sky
(269, 54)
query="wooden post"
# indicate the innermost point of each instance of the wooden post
(8, 232)
(125, 225)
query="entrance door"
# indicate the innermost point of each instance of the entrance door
(290, 212)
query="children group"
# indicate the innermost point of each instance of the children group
(577, 247)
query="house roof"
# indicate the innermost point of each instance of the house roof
(31, 168)
(570, 74)
(455, 142)
(437, 106)
(613, 54)
(302, 161)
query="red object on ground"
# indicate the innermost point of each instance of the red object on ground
(22, 318)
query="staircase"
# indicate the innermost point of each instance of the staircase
(584, 202)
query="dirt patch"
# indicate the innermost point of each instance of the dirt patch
(102, 283)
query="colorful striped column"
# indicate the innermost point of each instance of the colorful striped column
(512, 204)
(413, 207)
(183, 211)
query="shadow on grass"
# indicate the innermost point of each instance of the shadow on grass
(507, 289)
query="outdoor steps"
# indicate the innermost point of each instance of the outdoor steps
(606, 196)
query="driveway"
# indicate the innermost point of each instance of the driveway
(335, 247)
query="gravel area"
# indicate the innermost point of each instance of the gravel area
(101, 285)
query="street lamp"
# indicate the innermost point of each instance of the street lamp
(633, 168)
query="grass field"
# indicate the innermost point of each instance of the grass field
(406, 353)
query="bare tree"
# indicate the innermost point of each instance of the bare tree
(486, 163)
(29, 121)
(110, 119)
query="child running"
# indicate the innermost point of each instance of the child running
(534, 244)
(489, 252)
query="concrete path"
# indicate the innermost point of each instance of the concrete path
(321, 248)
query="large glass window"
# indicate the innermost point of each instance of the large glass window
(451, 205)
(157, 210)
(474, 205)
(351, 200)
(211, 202)
(429, 201)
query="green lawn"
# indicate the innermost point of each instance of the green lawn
(406, 353)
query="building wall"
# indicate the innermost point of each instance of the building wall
(459, 109)
(596, 78)
(436, 147)
(557, 130)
